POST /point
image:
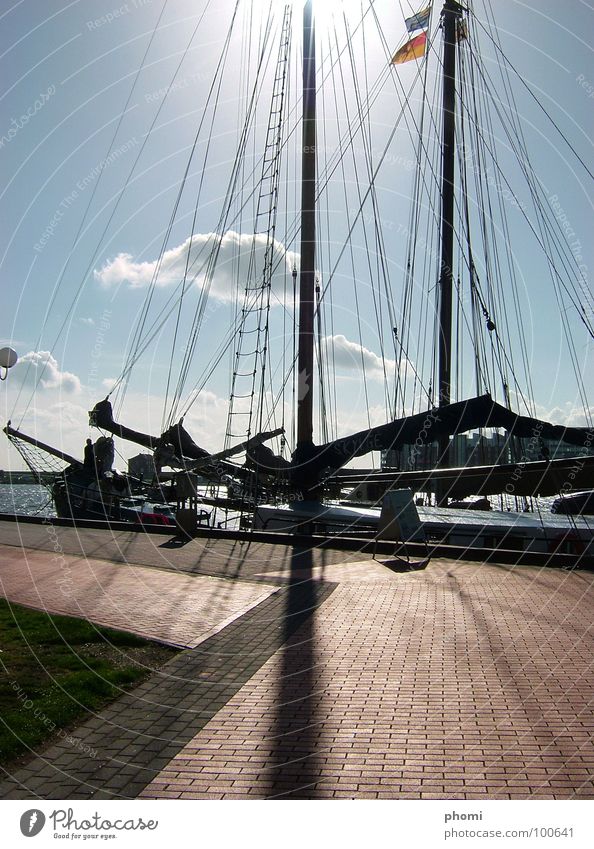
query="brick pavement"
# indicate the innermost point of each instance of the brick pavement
(461, 681)
(117, 752)
(178, 609)
(217, 557)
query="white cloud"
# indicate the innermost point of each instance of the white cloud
(63, 417)
(63, 425)
(89, 322)
(41, 369)
(351, 356)
(568, 413)
(108, 383)
(238, 256)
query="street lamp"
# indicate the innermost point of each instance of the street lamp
(8, 358)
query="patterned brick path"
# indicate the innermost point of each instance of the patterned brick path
(220, 558)
(460, 681)
(116, 753)
(173, 608)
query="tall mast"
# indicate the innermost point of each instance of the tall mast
(308, 240)
(450, 16)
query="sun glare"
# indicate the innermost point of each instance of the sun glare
(325, 11)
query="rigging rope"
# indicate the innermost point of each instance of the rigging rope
(131, 357)
(79, 233)
(254, 316)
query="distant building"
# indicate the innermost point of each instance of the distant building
(142, 466)
(474, 449)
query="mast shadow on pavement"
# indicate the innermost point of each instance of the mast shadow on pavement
(294, 769)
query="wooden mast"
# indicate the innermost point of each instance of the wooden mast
(308, 245)
(450, 17)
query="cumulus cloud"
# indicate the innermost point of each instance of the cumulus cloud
(89, 322)
(63, 425)
(351, 356)
(233, 256)
(41, 369)
(568, 414)
(63, 418)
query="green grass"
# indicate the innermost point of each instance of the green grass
(54, 670)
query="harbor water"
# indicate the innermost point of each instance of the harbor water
(26, 500)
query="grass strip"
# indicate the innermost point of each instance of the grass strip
(54, 670)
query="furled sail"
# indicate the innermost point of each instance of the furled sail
(181, 443)
(448, 420)
(431, 426)
(101, 416)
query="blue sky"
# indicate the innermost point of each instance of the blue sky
(68, 69)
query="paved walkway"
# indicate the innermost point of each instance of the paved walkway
(350, 680)
(177, 609)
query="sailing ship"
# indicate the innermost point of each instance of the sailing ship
(462, 193)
